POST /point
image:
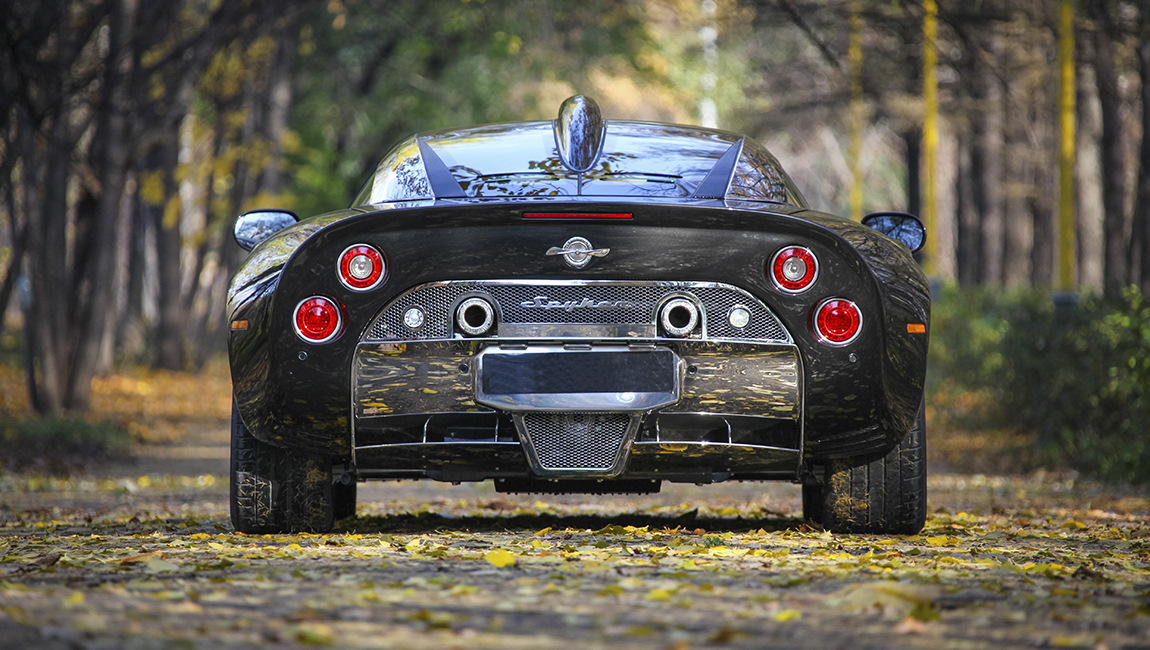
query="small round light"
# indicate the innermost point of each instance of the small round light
(739, 317)
(361, 267)
(318, 319)
(413, 318)
(837, 321)
(793, 269)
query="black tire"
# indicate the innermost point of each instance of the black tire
(813, 503)
(345, 496)
(274, 490)
(885, 496)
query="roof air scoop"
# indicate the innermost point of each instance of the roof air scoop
(579, 133)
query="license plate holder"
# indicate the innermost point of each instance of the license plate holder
(552, 378)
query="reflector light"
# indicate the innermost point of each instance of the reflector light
(916, 328)
(576, 215)
(413, 318)
(837, 321)
(739, 317)
(361, 267)
(793, 269)
(318, 319)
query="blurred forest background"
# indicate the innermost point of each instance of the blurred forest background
(133, 132)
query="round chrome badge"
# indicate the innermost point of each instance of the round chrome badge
(577, 252)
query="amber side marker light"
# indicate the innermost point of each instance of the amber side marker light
(915, 328)
(239, 325)
(576, 215)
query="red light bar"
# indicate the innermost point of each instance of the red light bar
(576, 215)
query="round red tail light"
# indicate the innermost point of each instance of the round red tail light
(361, 267)
(793, 269)
(318, 320)
(837, 321)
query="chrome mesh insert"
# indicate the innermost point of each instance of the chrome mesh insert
(577, 441)
(631, 303)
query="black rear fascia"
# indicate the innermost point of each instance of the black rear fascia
(701, 241)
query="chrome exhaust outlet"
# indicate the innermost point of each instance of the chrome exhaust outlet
(679, 317)
(475, 316)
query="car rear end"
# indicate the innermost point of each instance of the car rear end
(688, 341)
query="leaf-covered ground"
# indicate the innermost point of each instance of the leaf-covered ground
(141, 554)
(1002, 563)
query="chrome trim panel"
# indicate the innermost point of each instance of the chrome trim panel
(626, 307)
(439, 376)
(477, 461)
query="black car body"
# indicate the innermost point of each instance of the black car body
(578, 306)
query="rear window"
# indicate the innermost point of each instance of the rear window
(638, 160)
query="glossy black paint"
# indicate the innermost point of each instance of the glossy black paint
(857, 400)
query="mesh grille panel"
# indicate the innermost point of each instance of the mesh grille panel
(720, 301)
(584, 441)
(593, 303)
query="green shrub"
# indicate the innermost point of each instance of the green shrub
(1078, 376)
(31, 444)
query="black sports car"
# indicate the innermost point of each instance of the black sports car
(578, 305)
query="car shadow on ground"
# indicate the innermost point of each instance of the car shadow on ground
(689, 522)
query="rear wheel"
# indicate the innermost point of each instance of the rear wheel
(345, 496)
(884, 496)
(275, 490)
(813, 502)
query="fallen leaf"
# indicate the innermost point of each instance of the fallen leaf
(787, 615)
(501, 558)
(911, 625)
(140, 558)
(158, 565)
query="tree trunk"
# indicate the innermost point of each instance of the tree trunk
(171, 326)
(986, 165)
(1088, 181)
(1042, 202)
(94, 278)
(967, 215)
(1018, 229)
(1141, 239)
(912, 142)
(1115, 229)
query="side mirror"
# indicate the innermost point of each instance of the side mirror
(257, 225)
(900, 226)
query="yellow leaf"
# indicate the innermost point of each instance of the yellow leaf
(75, 599)
(658, 594)
(787, 615)
(942, 540)
(949, 559)
(312, 634)
(501, 558)
(610, 590)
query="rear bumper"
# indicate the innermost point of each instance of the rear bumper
(469, 409)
